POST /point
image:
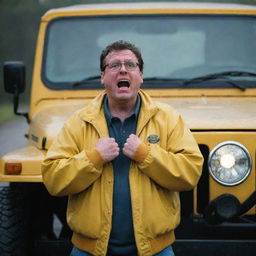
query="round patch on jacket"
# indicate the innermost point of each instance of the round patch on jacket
(153, 138)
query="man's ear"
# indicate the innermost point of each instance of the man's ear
(102, 77)
(141, 75)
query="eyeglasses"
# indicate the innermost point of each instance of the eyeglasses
(116, 66)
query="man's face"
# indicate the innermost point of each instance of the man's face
(122, 84)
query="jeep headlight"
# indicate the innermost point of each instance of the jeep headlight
(229, 163)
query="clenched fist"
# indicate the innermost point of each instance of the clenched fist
(108, 148)
(131, 145)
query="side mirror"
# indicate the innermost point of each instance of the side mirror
(14, 77)
(14, 83)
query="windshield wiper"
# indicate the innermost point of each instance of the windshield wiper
(85, 80)
(224, 75)
(159, 78)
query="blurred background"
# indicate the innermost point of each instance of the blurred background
(19, 23)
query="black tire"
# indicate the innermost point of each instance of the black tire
(13, 223)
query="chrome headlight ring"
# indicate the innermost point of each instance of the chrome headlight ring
(229, 163)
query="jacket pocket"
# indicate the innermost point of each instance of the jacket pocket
(84, 213)
(160, 209)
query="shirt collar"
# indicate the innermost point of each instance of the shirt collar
(135, 112)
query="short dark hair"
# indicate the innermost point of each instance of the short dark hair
(119, 46)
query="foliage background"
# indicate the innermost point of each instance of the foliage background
(19, 23)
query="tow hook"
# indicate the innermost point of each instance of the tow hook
(227, 208)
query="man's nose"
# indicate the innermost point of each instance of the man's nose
(123, 68)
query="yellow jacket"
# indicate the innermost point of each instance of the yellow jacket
(74, 167)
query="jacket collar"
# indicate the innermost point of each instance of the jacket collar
(148, 108)
(94, 112)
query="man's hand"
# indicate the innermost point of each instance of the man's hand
(108, 148)
(131, 145)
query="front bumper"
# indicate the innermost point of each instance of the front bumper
(200, 247)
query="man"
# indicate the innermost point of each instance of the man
(122, 160)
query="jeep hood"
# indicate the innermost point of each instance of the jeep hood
(200, 113)
(214, 113)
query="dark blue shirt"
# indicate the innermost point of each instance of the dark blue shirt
(122, 241)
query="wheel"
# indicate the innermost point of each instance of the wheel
(13, 223)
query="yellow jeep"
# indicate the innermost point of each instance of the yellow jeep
(199, 58)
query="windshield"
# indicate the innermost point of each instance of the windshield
(174, 47)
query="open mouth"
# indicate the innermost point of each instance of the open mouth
(123, 83)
